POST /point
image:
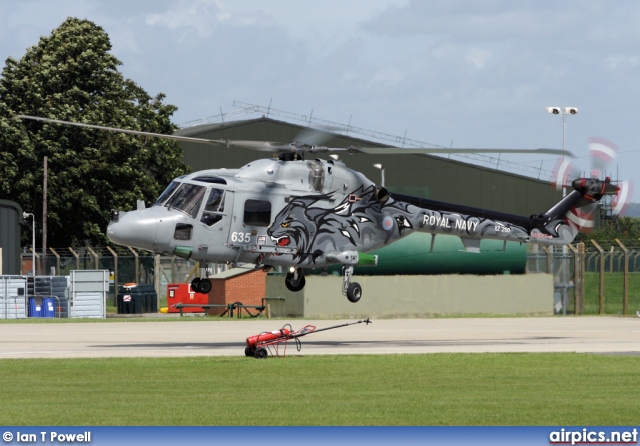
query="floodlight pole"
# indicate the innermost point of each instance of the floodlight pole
(564, 131)
(564, 111)
(33, 241)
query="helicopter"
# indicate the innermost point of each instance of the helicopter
(302, 214)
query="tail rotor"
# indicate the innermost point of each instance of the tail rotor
(564, 172)
(602, 153)
(621, 201)
(614, 198)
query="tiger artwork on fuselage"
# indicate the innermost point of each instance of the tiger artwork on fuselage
(354, 224)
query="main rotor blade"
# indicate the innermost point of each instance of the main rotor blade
(278, 147)
(315, 136)
(132, 132)
(264, 146)
(444, 150)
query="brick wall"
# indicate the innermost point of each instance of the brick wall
(249, 288)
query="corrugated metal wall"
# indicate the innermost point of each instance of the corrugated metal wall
(419, 175)
(10, 218)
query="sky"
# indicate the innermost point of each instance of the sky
(459, 73)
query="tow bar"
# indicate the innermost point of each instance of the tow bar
(260, 346)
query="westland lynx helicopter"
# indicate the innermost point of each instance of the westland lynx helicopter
(302, 214)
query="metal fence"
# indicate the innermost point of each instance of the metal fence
(592, 277)
(589, 278)
(130, 266)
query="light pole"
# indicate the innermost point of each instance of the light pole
(564, 111)
(33, 241)
(379, 166)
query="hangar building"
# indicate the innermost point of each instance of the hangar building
(426, 176)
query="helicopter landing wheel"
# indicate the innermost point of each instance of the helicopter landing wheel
(354, 292)
(204, 286)
(293, 284)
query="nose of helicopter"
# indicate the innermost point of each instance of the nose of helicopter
(137, 229)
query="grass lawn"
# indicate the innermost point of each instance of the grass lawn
(613, 293)
(434, 389)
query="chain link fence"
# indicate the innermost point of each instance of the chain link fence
(592, 277)
(125, 266)
(589, 277)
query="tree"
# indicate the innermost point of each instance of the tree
(627, 229)
(71, 75)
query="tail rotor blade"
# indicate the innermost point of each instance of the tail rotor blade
(602, 152)
(581, 218)
(564, 172)
(621, 201)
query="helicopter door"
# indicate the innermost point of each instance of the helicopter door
(217, 212)
(251, 220)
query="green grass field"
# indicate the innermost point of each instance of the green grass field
(613, 292)
(434, 389)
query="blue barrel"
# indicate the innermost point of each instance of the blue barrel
(48, 307)
(35, 307)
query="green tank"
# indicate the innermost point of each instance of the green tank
(412, 255)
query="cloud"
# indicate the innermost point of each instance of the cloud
(200, 16)
(205, 17)
(620, 62)
(476, 72)
(387, 76)
(478, 57)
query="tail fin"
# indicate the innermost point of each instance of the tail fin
(572, 214)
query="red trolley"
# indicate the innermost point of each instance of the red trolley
(263, 344)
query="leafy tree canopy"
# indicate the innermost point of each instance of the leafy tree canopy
(626, 229)
(71, 75)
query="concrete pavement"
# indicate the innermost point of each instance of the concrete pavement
(215, 337)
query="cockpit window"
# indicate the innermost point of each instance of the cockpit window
(187, 198)
(215, 201)
(167, 193)
(211, 214)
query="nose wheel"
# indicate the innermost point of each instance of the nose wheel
(295, 281)
(352, 290)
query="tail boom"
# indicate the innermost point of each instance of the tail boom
(557, 226)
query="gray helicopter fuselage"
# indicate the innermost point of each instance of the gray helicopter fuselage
(242, 215)
(309, 214)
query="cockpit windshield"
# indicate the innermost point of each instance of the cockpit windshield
(186, 198)
(167, 193)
